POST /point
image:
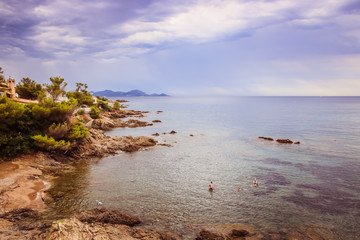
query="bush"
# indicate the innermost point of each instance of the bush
(78, 131)
(81, 112)
(58, 131)
(94, 112)
(50, 144)
(116, 106)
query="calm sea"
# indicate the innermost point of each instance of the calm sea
(314, 183)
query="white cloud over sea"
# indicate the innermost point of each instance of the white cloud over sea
(213, 47)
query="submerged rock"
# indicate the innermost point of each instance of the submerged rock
(286, 141)
(103, 215)
(267, 138)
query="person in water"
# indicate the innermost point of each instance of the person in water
(211, 187)
(255, 183)
(43, 197)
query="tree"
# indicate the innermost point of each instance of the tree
(81, 95)
(28, 89)
(57, 88)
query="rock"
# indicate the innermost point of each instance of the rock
(103, 215)
(156, 121)
(267, 138)
(297, 142)
(156, 134)
(239, 233)
(159, 112)
(208, 235)
(26, 219)
(191, 135)
(73, 229)
(172, 132)
(122, 100)
(103, 124)
(286, 141)
(165, 145)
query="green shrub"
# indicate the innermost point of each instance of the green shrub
(50, 144)
(78, 131)
(58, 131)
(116, 106)
(94, 112)
(81, 112)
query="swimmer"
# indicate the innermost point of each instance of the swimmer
(239, 189)
(98, 203)
(211, 187)
(255, 183)
(43, 197)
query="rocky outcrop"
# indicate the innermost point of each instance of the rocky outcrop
(89, 224)
(74, 229)
(282, 141)
(267, 138)
(102, 215)
(99, 145)
(228, 232)
(286, 141)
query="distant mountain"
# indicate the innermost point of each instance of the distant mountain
(132, 93)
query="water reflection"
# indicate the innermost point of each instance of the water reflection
(68, 191)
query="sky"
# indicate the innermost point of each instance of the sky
(186, 48)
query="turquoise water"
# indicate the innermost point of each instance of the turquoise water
(315, 182)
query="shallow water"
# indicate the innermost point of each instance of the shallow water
(314, 182)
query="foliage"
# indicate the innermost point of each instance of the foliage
(78, 131)
(57, 112)
(104, 105)
(81, 112)
(19, 123)
(81, 95)
(28, 89)
(102, 98)
(10, 113)
(57, 88)
(50, 144)
(16, 127)
(116, 106)
(58, 131)
(94, 112)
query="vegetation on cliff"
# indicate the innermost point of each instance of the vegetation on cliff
(48, 125)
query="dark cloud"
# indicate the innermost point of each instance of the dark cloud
(352, 7)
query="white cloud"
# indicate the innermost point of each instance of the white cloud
(207, 21)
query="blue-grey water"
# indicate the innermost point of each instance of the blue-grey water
(315, 182)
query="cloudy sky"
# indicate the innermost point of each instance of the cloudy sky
(198, 47)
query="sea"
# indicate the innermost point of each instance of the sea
(313, 184)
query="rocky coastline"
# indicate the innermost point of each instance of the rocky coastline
(23, 216)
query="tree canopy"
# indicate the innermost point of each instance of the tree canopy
(57, 88)
(29, 89)
(81, 95)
